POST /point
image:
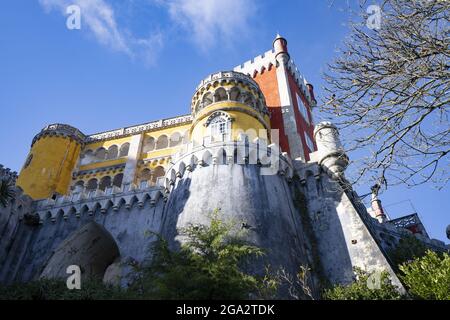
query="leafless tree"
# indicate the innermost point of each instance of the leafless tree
(388, 92)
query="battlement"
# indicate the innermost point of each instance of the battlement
(269, 158)
(89, 203)
(268, 59)
(149, 126)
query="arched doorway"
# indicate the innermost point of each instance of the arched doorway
(91, 247)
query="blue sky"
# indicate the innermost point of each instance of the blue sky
(135, 61)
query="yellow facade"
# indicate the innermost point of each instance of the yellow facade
(64, 160)
(49, 167)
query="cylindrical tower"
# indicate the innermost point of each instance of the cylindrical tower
(227, 104)
(246, 179)
(53, 156)
(332, 156)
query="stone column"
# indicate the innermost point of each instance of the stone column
(133, 159)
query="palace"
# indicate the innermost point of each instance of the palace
(248, 147)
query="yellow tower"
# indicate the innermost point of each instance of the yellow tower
(51, 161)
(227, 104)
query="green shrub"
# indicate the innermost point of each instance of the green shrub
(428, 277)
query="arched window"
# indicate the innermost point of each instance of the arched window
(157, 173)
(235, 94)
(100, 154)
(219, 125)
(144, 177)
(163, 142)
(87, 157)
(117, 181)
(124, 149)
(207, 99)
(113, 152)
(220, 95)
(149, 145)
(92, 185)
(105, 183)
(79, 186)
(175, 139)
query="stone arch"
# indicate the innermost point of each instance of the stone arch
(79, 186)
(206, 158)
(117, 181)
(91, 247)
(144, 177)
(162, 142)
(113, 152)
(175, 139)
(221, 156)
(157, 173)
(149, 145)
(207, 99)
(220, 95)
(124, 149)
(87, 157)
(105, 183)
(100, 154)
(235, 94)
(92, 185)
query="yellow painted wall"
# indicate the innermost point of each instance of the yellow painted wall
(242, 123)
(50, 170)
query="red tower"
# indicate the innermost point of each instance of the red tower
(289, 98)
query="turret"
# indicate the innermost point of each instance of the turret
(281, 49)
(377, 208)
(331, 155)
(48, 168)
(227, 104)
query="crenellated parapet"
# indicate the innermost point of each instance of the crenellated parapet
(98, 202)
(228, 86)
(243, 152)
(60, 130)
(268, 61)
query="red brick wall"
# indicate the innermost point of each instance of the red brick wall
(268, 83)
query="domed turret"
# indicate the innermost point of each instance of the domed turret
(49, 165)
(227, 104)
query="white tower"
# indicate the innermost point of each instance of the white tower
(331, 154)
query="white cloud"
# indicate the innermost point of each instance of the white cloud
(212, 21)
(207, 22)
(99, 18)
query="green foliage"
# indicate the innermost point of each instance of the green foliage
(208, 266)
(428, 277)
(408, 248)
(6, 191)
(359, 289)
(92, 289)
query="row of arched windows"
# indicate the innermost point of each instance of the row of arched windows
(150, 144)
(147, 177)
(102, 184)
(233, 94)
(162, 142)
(102, 154)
